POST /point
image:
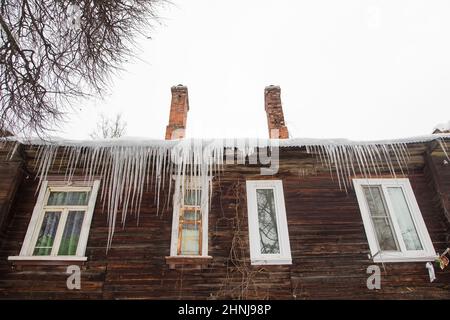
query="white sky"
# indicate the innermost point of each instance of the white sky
(347, 69)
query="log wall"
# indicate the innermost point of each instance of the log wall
(10, 179)
(328, 243)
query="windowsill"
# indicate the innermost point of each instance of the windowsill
(389, 259)
(46, 260)
(196, 261)
(268, 262)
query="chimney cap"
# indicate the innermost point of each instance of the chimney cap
(272, 87)
(179, 87)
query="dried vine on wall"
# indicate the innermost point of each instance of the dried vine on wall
(239, 282)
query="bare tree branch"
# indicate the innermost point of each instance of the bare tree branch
(52, 51)
(108, 128)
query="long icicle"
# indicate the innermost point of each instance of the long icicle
(127, 170)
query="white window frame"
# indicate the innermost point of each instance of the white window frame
(426, 254)
(256, 257)
(26, 253)
(195, 181)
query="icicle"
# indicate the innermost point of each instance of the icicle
(443, 146)
(12, 150)
(127, 169)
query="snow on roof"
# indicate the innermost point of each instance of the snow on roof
(293, 142)
(127, 161)
(442, 127)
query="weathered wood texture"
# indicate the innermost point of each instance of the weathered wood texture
(437, 167)
(10, 178)
(328, 242)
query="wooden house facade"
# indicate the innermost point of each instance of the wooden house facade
(321, 243)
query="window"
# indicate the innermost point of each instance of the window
(392, 220)
(268, 231)
(190, 219)
(60, 222)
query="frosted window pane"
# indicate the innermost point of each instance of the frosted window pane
(404, 219)
(380, 218)
(68, 198)
(191, 215)
(44, 243)
(192, 197)
(267, 221)
(56, 198)
(375, 201)
(385, 234)
(71, 235)
(190, 236)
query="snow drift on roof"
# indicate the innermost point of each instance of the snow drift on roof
(443, 126)
(293, 142)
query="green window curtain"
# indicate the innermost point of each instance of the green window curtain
(44, 243)
(71, 234)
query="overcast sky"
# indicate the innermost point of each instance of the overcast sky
(347, 69)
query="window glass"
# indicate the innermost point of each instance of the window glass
(190, 222)
(61, 198)
(380, 218)
(71, 234)
(192, 197)
(267, 221)
(404, 219)
(191, 215)
(190, 239)
(44, 243)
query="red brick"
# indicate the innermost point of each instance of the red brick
(179, 108)
(274, 110)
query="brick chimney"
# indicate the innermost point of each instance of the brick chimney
(179, 108)
(274, 111)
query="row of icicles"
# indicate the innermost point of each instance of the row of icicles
(126, 170)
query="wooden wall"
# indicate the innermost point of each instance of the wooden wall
(328, 242)
(437, 168)
(10, 178)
